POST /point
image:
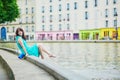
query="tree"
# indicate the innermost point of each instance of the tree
(8, 11)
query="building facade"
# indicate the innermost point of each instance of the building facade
(64, 19)
(25, 21)
(102, 15)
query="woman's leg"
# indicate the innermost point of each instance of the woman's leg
(42, 49)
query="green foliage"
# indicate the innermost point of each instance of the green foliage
(8, 11)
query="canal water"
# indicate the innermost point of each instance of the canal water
(98, 61)
(95, 61)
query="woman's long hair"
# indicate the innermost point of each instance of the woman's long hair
(23, 35)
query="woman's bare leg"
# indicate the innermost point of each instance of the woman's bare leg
(42, 49)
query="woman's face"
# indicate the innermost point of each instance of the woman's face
(20, 32)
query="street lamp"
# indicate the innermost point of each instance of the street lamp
(116, 26)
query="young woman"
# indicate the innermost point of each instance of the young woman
(35, 50)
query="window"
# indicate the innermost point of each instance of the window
(86, 4)
(20, 10)
(86, 15)
(60, 27)
(32, 28)
(26, 10)
(60, 17)
(32, 19)
(32, 9)
(68, 26)
(75, 5)
(115, 12)
(106, 33)
(50, 8)
(20, 21)
(43, 19)
(31, 37)
(27, 37)
(106, 12)
(106, 23)
(43, 27)
(43, 9)
(13, 29)
(7, 29)
(26, 19)
(68, 17)
(95, 3)
(114, 1)
(51, 18)
(60, 7)
(115, 23)
(25, 2)
(106, 2)
(51, 27)
(50, 0)
(26, 28)
(68, 6)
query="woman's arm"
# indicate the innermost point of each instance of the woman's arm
(22, 45)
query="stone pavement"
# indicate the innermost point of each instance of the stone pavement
(3, 73)
(24, 70)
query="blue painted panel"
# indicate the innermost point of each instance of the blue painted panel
(3, 33)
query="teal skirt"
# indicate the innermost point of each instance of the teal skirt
(33, 50)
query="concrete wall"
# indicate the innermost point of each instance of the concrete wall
(8, 70)
(56, 71)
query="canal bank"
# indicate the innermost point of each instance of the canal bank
(58, 72)
(6, 72)
(22, 69)
(86, 58)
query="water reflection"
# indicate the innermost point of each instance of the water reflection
(76, 56)
(91, 60)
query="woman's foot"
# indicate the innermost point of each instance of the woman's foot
(50, 55)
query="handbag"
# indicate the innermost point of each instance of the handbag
(21, 55)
